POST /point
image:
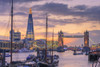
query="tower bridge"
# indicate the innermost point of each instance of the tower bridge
(85, 36)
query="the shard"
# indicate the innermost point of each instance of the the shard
(30, 28)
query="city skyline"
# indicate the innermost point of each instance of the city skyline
(70, 16)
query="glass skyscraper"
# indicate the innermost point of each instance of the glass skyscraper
(30, 28)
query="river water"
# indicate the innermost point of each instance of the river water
(67, 59)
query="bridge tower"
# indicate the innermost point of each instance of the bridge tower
(86, 39)
(60, 38)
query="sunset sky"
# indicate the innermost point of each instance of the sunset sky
(73, 17)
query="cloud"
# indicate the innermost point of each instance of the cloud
(95, 33)
(92, 13)
(53, 8)
(20, 13)
(5, 5)
(43, 24)
(4, 8)
(83, 11)
(81, 7)
(66, 21)
(17, 1)
(4, 37)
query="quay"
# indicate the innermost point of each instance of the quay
(94, 55)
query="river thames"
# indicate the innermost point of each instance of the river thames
(67, 59)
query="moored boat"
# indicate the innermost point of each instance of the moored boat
(60, 49)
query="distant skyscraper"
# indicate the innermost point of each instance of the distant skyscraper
(16, 36)
(30, 28)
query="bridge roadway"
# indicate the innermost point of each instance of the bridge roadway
(74, 36)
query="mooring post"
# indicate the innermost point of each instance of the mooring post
(3, 62)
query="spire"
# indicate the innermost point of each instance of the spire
(30, 11)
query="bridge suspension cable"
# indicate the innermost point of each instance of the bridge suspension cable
(92, 40)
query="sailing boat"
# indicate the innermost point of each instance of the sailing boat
(11, 63)
(44, 62)
(50, 60)
(17, 63)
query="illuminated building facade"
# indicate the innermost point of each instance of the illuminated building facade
(16, 36)
(30, 29)
(5, 44)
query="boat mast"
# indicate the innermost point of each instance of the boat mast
(11, 30)
(52, 43)
(46, 37)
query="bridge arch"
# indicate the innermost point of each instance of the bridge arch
(85, 36)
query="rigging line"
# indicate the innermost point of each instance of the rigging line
(4, 27)
(15, 26)
(7, 27)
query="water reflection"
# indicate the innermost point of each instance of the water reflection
(67, 59)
